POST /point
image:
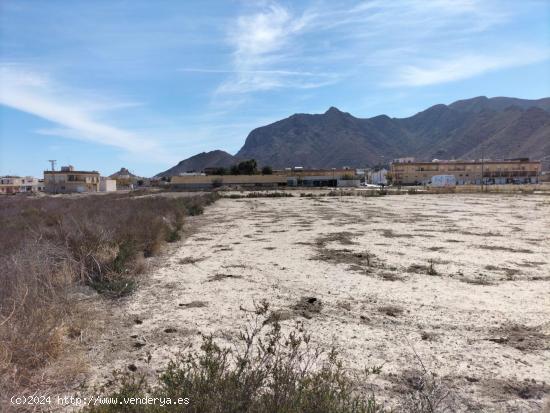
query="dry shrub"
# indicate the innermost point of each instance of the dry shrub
(50, 245)
(265, 372)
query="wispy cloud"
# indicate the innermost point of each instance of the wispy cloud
(266, 72)
(264, 43)
(75, 117)
(463, 66)
(402, 42)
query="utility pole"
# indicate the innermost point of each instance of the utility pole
(482, 164)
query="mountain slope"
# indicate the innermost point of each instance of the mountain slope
(200, 161)
(500, 127)
(480, 103)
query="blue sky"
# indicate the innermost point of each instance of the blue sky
(145, 84)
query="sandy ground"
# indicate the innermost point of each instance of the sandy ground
(463, 281)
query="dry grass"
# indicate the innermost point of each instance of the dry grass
(391, 310)
(221, 277)
(53, 251)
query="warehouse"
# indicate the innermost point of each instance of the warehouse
(509, 171)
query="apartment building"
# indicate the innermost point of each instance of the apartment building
(517, 171)
(18, 184)
(69, 180)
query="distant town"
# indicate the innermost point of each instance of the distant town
(400, 172)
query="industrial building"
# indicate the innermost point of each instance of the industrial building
(509, 171)
(213, 181)
(289, 177)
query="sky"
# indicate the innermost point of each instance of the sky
(142, 84)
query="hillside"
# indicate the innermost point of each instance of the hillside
(500, 127)
(123, 173)
(200, 161)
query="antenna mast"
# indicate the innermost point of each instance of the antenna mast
(52, 162)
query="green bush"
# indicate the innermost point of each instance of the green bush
(115, 287)
(126, 252)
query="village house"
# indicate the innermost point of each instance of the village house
(18, 184)
(68, 180)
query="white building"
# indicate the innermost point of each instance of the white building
(107, 185)
(377, 177)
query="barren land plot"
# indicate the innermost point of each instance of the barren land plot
(459, 284)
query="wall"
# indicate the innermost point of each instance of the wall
(222, 180)
(107, 185)
(346, 183)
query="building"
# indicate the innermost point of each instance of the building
(213, 181)
(68, 180)
(409, 159)
(107, 185)
(467, 172)
(18, 184)
(377, 177)
(297, 176)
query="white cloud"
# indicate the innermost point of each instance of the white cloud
(264, 42)
(463, 67)
(401, 42)
(75, 116)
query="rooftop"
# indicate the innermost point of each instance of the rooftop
(70, 172)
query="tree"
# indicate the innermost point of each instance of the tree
(267, 170)
(245, 168)
(219, 171)
(248, 167)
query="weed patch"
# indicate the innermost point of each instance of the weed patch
(391, 310)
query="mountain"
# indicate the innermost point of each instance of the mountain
(200, 161)
(123, 173)
(499, 127)
(498, 104)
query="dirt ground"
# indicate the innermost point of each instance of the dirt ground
(457, 283)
